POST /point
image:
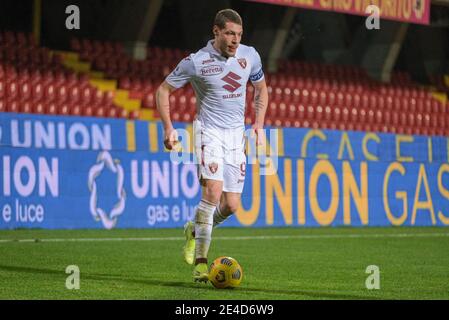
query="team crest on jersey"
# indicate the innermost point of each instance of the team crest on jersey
(242, 62)
(213, 167)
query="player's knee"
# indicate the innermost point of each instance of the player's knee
(231, 207)
(212, 193)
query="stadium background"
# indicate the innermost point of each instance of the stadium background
(359, 118)
(357, 132)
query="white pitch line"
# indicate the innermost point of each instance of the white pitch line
(280, 237)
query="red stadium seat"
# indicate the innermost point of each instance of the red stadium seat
(122, 113)
(292, 111)
(304, 96)
(3, 106)
(12, 105)
(64, 109)
(345, 115)
(135, 114)
(277, 94)
(50, 92)
(319, 113)
(148, 101)
(112, 113)
(336, 114)
(51, 108)
(434, 120)
(348, 100)
(74, 95)
(419, 120)
(328, 114)
(296, 96)
(310, 113)
(176, 116)
(2, 89)
(301, 112)
(395, 118)
(287, 123)
(39, 107)
(77, 110)
(108, 98)
(340, 99)
(86, 95)
(97, 98)
(442, 122)
(26, 107)
(286, 96)
(25, 91)
(12, 90)
(62, 94)
(313, 97)
(100, 112)
(379, 117)
(87, 111)
(354, 115)
(272, 109)
(186, 104)
(426, 120)
(282, 112)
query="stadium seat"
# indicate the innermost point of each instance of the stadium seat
(64, 109)
(51, 108)
(2, 89)
(38, 107)
(12, 90)
(302, 94)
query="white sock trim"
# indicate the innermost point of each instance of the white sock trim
(218, 216)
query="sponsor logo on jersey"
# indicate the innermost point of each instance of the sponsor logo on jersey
(231, 80)
(208, 61)
(211, 70)
(242, 62)
(232, 95)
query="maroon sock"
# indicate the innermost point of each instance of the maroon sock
(200, 260)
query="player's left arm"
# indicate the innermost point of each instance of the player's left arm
(260, 96)
(260, 103)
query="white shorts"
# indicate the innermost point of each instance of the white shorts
(221, 156)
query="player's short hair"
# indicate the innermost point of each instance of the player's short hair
(227, 15)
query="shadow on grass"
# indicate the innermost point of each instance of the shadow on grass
(294, 294)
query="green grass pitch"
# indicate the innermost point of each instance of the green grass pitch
(278, 263)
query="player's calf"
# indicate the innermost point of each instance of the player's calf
(228, 206)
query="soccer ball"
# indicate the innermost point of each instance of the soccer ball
(225, 272)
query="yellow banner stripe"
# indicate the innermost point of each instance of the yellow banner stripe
(130, 136)
(153, 137)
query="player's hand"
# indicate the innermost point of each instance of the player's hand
(171, 138)
(260, 134)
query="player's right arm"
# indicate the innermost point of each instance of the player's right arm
(182, 74)
(163, 106)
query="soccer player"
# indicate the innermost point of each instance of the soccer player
(219, 73)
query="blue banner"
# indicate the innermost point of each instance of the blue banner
(71, 172)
